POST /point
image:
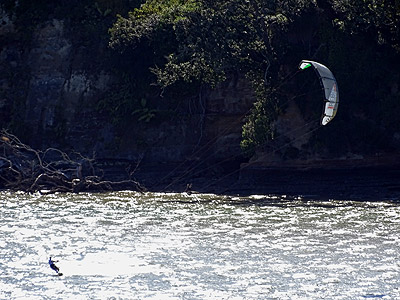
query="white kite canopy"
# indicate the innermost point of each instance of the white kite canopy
(329, 84)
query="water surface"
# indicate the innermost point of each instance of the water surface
(174, 246)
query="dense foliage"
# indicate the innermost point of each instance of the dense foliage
(206, 41)
(378, 18)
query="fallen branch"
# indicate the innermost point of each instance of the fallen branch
(26, 169)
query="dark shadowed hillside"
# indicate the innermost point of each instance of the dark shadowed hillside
(182, 89)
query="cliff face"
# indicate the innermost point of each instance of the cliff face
(50, 96)
(52, 85)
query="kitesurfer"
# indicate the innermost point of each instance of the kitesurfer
(53, 266)
(188, 189)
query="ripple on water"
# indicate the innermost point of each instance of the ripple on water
(127, 245)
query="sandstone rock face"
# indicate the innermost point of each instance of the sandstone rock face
(10, 57)
(56, 91)
(6, 23)
(60, 96)
(44, 82)
(227, 107)
(57, 95)
(210, 130)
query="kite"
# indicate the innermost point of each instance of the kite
(329, 86)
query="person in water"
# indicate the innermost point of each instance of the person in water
(53, 266)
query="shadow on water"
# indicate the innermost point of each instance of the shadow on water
(364, 184)
(283, 201)
(369, 184)
(372, 296)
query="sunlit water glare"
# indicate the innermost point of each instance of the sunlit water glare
(174, 246)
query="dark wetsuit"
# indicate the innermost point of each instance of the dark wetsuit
(53, 266)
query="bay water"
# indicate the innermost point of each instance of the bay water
(127, 245)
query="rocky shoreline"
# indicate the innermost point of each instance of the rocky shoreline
(373, 183)
(23, 168)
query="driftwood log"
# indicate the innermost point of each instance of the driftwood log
(52, 170)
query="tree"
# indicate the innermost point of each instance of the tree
(379, 18)
(206, 41)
